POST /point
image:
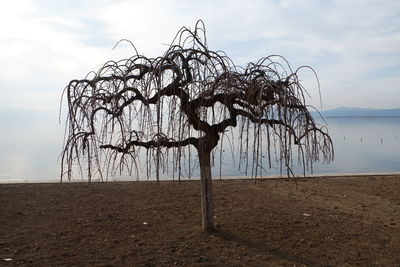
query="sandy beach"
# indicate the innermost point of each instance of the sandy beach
(337, 221)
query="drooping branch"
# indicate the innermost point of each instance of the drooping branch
(189, 96)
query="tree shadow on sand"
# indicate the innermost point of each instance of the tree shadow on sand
(264, 248)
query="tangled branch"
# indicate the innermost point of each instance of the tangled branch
(189, 97)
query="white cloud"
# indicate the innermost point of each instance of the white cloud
(46, 43)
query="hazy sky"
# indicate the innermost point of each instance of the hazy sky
(353, 45)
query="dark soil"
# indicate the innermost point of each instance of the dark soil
(318, 221)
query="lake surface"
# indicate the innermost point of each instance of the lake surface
(31, 143)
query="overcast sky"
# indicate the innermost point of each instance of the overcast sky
(354, 46)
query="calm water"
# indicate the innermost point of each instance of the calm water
(31, 142)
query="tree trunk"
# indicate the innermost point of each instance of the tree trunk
(207, 208)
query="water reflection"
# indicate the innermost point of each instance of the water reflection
(32, 143)
(364, 145)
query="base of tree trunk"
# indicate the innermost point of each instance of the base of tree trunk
(207, 209)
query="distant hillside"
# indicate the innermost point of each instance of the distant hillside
(361, 112)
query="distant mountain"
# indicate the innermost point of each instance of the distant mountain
(361, 113)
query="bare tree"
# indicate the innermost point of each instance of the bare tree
(189, 98)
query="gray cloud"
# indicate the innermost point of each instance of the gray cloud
(353, 45)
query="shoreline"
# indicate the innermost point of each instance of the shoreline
(216, 178)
